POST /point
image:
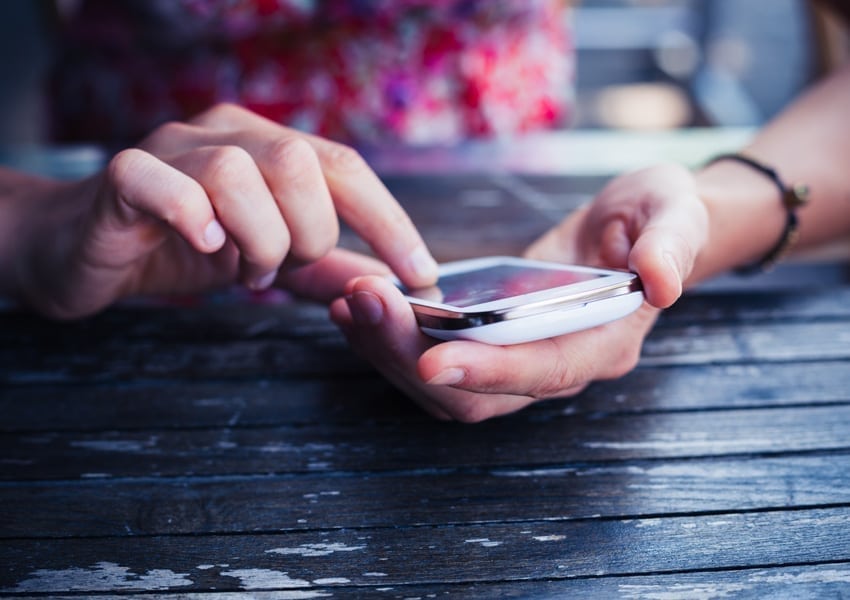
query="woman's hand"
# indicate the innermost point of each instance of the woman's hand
(228, 196)
(651, 222)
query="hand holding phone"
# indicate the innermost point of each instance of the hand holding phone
(505, 300)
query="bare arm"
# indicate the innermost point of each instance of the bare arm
(808, 143)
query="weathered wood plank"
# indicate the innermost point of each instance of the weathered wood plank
(392, 556)
(191, 320)
(166, 404)
(781, 583)
(76, 360)
(203, 404)
(433, 498)
(426, 445)
(713, 344)
(824, 304)
(114, 361)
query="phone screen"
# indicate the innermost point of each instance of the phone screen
(497, 282)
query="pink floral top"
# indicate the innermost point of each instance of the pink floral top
(411, 71)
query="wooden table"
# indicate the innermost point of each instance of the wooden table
(232, 446)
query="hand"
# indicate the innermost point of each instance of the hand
(226, 197)
(651, 222)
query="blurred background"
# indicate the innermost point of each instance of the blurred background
(641, 64)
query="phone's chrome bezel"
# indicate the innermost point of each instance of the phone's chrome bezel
(437, 315)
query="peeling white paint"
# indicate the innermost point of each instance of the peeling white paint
(641, 523)
(628, 470)
(102, 577)
(550, 538)
(374, 574)
(331, 580)
(819, 576)
(205, 567)
(315, 549)
(485, 542)
(314, 497)
(263, 579)
(681, 591)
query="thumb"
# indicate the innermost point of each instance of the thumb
(663, 255)
(326, 278)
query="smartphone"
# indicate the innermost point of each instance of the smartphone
(504, 300)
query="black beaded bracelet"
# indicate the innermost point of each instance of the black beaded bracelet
(792, 197)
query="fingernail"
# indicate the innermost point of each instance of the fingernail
(423, 264)
(214, 234)
(366, 308)
(450, 376)
(264, 282)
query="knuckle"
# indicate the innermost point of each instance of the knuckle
(122, 165)
(227, 164)
(130, 169)
(295, 158)
(223, 112)
(164, 137)
(120, 175)
(345, 159)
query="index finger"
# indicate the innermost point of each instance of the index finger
(364, 202)
(359, 196)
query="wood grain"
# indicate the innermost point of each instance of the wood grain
(458, 554)
(264, 503)
(234, 446)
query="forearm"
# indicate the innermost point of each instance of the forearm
(808, 143)
(15, 210)
(30, 208)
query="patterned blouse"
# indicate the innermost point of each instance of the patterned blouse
(409, 71)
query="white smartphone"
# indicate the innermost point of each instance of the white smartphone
(504, 300)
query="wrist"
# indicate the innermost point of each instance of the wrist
(746, 217)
